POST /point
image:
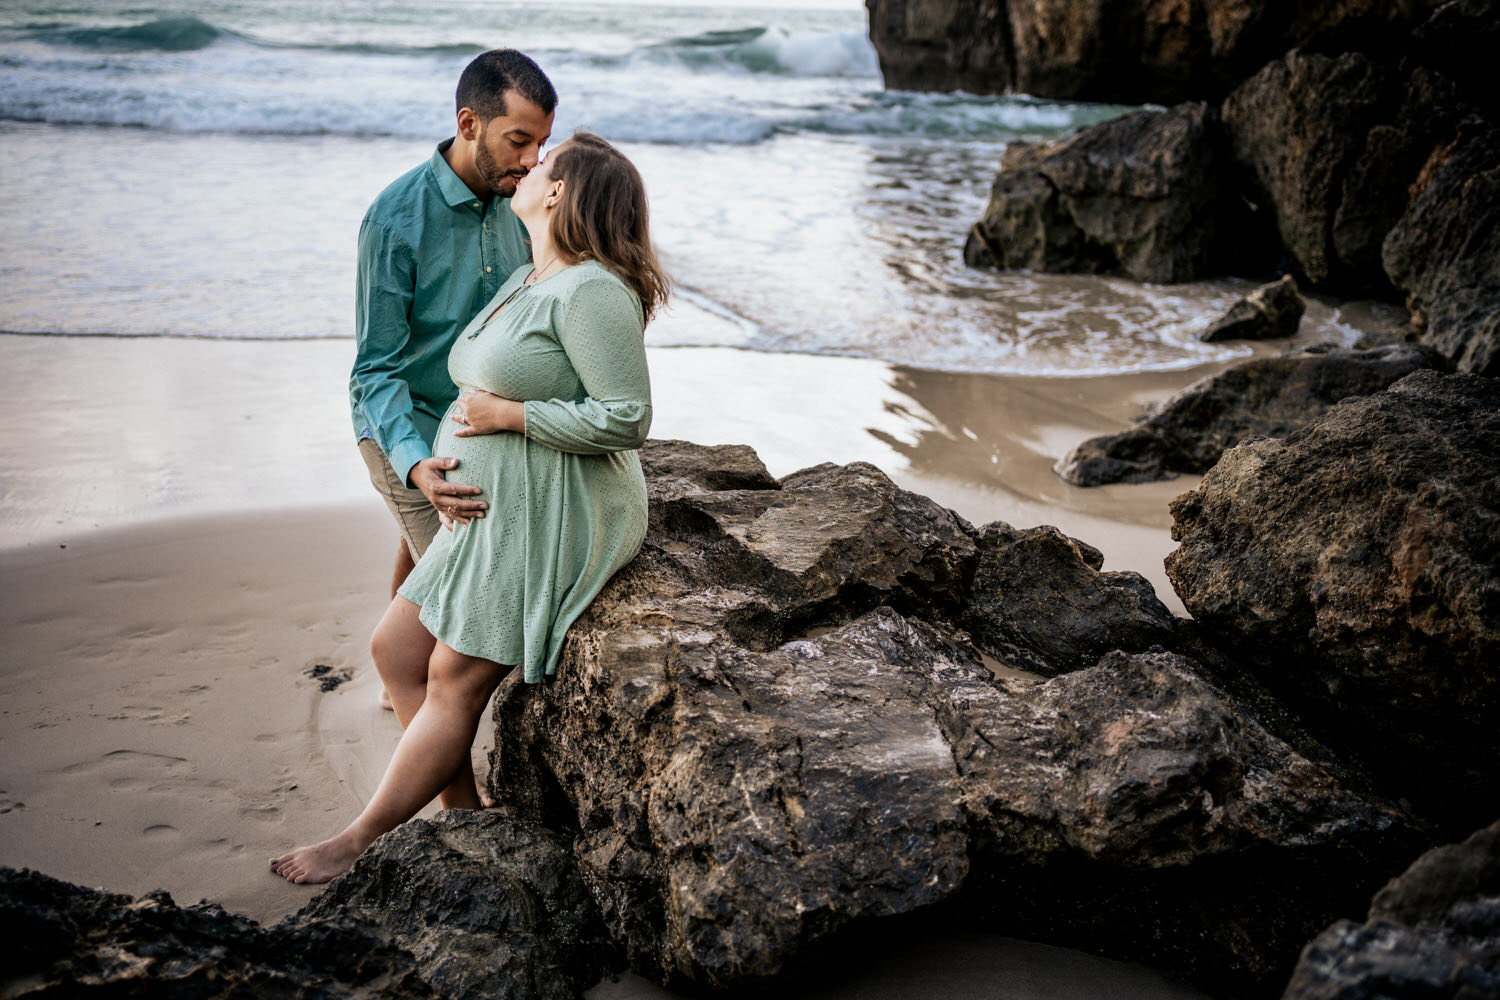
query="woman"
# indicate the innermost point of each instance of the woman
(557, 400)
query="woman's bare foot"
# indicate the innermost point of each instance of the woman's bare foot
(318, 863)
(385, 701)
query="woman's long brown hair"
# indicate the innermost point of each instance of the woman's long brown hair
(602, 216)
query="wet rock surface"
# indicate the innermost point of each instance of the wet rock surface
(1269, 312)
(1432, 932)
(63, 940)
(769, 728)
(1267, 397)
(1143, 195)
(487, 904)
(1354, 568)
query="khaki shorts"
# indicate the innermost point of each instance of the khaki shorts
(415, 516)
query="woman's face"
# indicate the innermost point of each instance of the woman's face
(533, 190)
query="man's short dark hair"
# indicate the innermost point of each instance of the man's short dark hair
(484, 82)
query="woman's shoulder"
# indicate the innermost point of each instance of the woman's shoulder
(592, 275)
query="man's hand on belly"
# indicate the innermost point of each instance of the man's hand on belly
(456, 501)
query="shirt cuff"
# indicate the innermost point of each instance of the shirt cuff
(404, 457)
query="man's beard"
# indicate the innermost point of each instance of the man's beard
(501, 182)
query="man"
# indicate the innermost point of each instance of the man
(434, 247)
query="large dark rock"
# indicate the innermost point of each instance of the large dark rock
(1445, 250)
(1132, 52)
(1041, 603)
(768, 728)
(1433, 933)
(1354, 566)
(1269, 312)
(1143, 194)
(1299, 125)
(1267, 397)
(1377, 188)
(63, 940)
(488, 904)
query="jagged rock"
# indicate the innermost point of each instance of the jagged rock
(1460, 39)
(1433, 933)
(1443, 251)
(1270, 311)
(677, 467)
(1377, 189)
(942, 45)
(1132, 52)
(1354, 567)
(488, 904)
(1266, 397)
(1039, 603)
(1142, 194)
(68, 941)
(1299, 125)
(768, 728)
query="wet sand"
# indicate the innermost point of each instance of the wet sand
(185, 532)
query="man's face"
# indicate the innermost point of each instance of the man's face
(509, 145)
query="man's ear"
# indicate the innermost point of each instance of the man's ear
(468, 124)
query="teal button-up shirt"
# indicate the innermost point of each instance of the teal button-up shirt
(431, 255)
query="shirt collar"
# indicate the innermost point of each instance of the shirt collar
(454, 190)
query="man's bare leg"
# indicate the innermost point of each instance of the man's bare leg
(435, 744)
(404, 565)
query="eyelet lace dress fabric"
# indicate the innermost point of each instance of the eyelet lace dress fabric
(567, 500)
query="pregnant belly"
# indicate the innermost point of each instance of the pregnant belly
(482, 457)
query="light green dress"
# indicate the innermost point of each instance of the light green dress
(567, 500)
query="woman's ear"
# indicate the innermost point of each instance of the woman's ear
(554, 194)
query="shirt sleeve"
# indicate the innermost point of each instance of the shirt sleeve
(600, 328)
(384, 288)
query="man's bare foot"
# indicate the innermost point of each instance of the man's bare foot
(385, 700)
(318, 863)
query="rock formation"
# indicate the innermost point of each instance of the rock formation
(487, 904)
(1354, 568)
(67, 941)
(768, 728)
(1433, 932)
(1444, 249)
(1143, 194)
(1133, 52)
(1337, 155)
(1267, 397)
(1269, 312)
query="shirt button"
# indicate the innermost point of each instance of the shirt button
(488, 269)
(476, 204)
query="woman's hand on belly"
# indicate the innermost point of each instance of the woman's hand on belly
(481, 412)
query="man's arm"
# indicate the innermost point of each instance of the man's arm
(385, 285)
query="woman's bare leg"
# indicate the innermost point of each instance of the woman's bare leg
(401, 648)
(432, 750)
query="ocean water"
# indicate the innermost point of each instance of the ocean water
(200, 169)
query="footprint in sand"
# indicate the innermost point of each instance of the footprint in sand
(158, 830)
(9, 805)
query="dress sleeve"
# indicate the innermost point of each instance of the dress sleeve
(600, 328)
(385, 284)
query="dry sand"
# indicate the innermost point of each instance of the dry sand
(185, 531)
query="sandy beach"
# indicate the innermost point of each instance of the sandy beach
(186, 534)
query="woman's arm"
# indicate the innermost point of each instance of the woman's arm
(600, 329)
